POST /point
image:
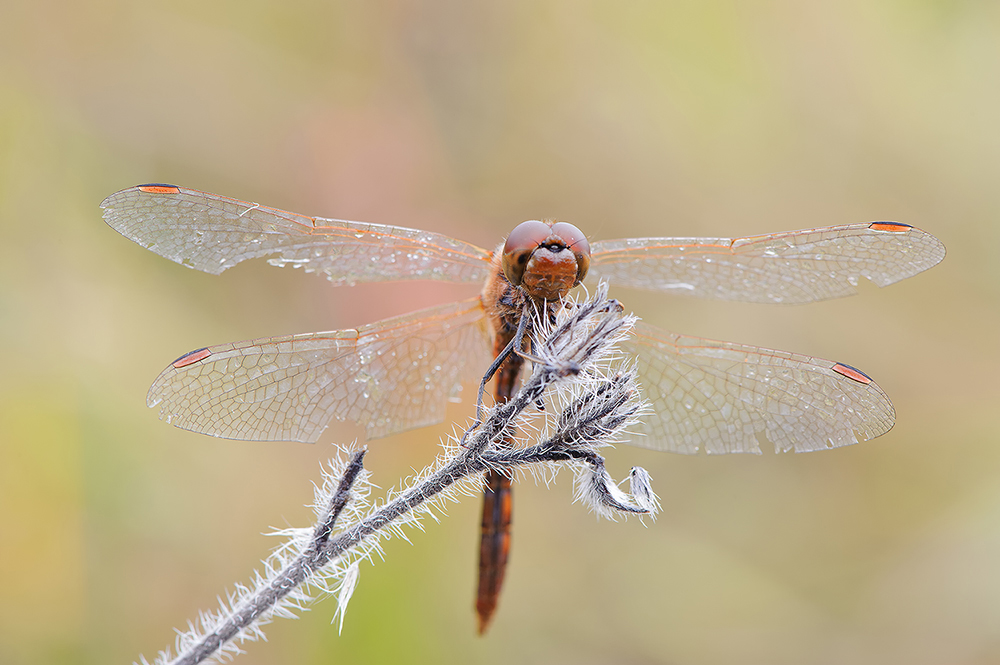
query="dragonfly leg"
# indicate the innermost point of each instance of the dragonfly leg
(514, 346)
(519, 348)
(506, 353)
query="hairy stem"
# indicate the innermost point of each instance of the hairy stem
(288, 579)
(599, 405)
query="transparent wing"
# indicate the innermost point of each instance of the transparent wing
(718, 397)
(388, 376)
(213, 233)
(795, 267)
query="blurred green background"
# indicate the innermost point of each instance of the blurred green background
(643, 118)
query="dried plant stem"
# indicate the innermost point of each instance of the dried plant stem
(597, 407)
(293, 575)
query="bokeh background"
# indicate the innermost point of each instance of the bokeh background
(700, 117)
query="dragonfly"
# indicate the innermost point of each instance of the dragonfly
(394, 375)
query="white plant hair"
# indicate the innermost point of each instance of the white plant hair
(593, 399)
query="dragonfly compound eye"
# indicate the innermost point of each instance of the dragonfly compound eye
(574, 239)
(521, 243)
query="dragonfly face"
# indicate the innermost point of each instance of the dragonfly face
(545, 259)
(397, 374)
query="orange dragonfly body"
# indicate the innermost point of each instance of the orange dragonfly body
(397, 374)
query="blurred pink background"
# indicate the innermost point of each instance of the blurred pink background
(628, 119)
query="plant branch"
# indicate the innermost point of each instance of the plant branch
(574, 364)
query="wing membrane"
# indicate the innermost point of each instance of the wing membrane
(795, 267)
(717, 397)
(389, 376)
(212, 233)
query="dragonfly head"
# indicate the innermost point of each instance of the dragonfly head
(546, 259)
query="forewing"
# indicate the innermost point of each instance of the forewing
(388, 376)
(795, 267)
(718, 397)
(212, 233)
